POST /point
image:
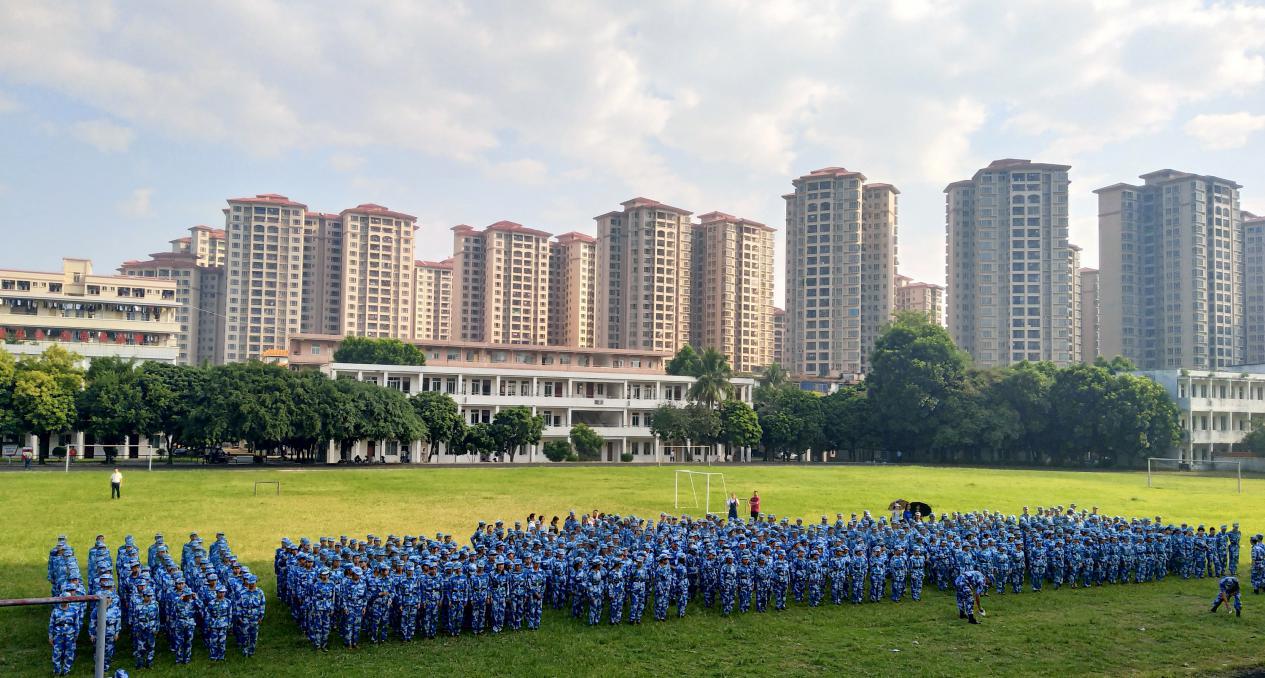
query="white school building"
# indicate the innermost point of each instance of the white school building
(1217, 407)
(613, 391)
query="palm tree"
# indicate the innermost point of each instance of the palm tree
(711, 381)
(774, 376)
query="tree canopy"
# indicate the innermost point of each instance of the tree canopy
(378, 351)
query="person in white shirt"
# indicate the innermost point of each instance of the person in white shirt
(116, 483)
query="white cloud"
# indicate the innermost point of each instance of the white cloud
(1221, 131)
(345, 162)
(523, 171)
(103, 135)
(137, 204)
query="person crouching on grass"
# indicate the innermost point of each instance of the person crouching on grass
(1228, 593)
(968, 585)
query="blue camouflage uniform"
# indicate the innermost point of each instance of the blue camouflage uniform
(248, 613)
(615, 593)
(219, 615)
(898, 568)
(594, 592)
(378, 604)
(664, 586)
(1228, 593)
(638, 586)
(183, 622)
(319, 609)
(481, 586)
(144, 630)
(63, 633)
(967, 585)
(1232, 543)
(351, 607)
(917, 571)
(537, 583)
(680, 584)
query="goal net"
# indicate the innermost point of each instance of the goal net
(698, 489)
(1164, 472)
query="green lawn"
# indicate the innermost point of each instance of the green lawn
(1153, 629)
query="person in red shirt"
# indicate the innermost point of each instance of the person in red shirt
(754, 503)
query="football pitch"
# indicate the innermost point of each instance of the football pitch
(1150, 629)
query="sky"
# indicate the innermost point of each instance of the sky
(123, 124)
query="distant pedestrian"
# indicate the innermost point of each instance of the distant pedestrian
(754, 503)
(26, 458)
(733, 506)
(116, 484)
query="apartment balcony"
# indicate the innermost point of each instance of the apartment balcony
(607, 432)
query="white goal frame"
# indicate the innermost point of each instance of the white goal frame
(1238, 468)
(693, 489)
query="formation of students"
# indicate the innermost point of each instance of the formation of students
(209, 592)
(613, 569)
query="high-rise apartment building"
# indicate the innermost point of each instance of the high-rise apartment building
(733, 289)
(501, 284)
(572, 290)
(196, 264)
(779, 336)
(1254, 287)
(206, 244)
(1171, 262)
(263, 270)
(1074, 264)
(199, 291)
(920, 297)
(433, 317)
(321, 309)
(377, 274)
(840, 260)
(1009, 270)
(878, 263)
(1089, 315)
(643, 277)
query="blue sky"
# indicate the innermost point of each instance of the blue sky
(122, 124)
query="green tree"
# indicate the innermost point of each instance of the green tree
(774, 376)
(739, 425)
(514, 427)
(1254, 441)
(669, 424)
(587, 443)
(791, 421)
(111, 404)
(378, 413)
(848, 422)
(684, 363)
(915, 373)
(168, 391)
(1024, 388)
(478, 440)
(557, 450)
(378, 351)
(711, 379)
(439, 412)
(1116, 365)
(8, 374)
(54, 409)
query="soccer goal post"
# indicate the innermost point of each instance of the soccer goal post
(687, 484)
(102, 601)
(1212, 468)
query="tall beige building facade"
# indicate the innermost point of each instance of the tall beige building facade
(1254, 287)
(1074, 263)
(322, 303)
(733, 290)
(377, 274)
(263, 268)
(920, 297)
(501, 284)
(878, 263)
(841, 254)
(1009, 267)
(196, 264)
(572, 290)
(643, 277)
(1089, 315)
(433, 316)
(779, 336)
(1171, 270)
(206, 244)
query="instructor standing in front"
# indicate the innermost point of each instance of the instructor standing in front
(116, 484)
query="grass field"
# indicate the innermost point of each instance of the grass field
(1152, 629)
